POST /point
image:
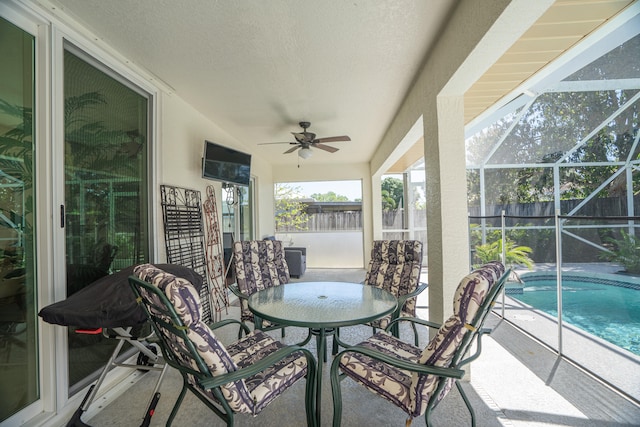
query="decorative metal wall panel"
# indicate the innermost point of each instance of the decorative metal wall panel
(184, 236)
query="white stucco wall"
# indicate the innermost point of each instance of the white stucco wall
(182, 132)
(340, 249)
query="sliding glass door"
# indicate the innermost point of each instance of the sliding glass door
(19, 384)
(106, 189)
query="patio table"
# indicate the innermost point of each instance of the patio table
(322, 307)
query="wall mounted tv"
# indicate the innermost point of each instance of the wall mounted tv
(225, 164)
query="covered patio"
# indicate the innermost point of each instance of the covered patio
(516, 382)
(104, 104)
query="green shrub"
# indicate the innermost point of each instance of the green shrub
(625, 251)
(516, 255)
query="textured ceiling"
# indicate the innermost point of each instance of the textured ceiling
(257, 68)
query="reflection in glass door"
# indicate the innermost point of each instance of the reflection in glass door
(237, 211)
(19, 384)
(237, 219)
(106, 160)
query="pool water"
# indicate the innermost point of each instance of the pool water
(606, 311)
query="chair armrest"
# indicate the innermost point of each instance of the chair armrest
(402, 364)
(297, 248)
(293, 254)
(478, 346)
(234, 288)
(415, 293)
(402, 299)
(414, 320)
(226, 322)
(263, 364)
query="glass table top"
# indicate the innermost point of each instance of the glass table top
(322, 304)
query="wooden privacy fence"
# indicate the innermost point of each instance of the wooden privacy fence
(604, 206)
(352, 220)
(329, 221)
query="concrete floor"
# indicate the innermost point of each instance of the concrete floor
(503, 391)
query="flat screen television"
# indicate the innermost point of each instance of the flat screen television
(225, 164)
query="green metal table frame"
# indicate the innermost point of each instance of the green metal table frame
(322, 307)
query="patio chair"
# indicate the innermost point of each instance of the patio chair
(258, 264)
(415, 379)
(240, 378)
(395, 267)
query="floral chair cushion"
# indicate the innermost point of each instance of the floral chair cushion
(387, 381)
(259, 264)
(265, 386)
(395, 266)
(410, 391)
(468, 297)
(473, 289)
(243, 396)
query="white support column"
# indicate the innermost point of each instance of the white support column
(376, 200)
(446, 195)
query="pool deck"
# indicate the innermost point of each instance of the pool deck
(614, 365)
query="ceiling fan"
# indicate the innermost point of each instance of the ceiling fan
(305, 140)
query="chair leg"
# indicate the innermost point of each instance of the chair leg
(467, 403)
(415, 334)
(334, 349)
(395, 330)
(336, 392)
(176, 406)
(310, 392)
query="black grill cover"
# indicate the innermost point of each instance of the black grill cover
(108, 302)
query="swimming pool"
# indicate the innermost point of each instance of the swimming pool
(608, 308)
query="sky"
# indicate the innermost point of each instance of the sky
(351, 189)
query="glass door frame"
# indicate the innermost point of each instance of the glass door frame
(63, 37)
(34, 24)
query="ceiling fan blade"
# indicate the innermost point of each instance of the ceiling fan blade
(292, 149)
(306, 140)
(325, 147)
(333, 139)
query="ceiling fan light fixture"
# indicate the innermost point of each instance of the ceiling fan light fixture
(305, 152)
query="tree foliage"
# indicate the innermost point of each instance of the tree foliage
(559, 128)
(577, 131)
(291, 212)
(329, 196)
(392, 193)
